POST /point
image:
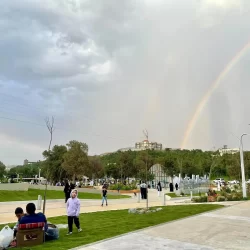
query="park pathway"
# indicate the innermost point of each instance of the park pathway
(226, 228)
(57, 207)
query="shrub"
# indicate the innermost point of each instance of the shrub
(221, 198)
(223, 193)
(196, 199)
(200, 199)
(122, 187)
(237, 196)
(229, 197)
(248, 188)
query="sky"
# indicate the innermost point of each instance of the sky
(107, 70)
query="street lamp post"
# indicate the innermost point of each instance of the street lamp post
(242, 168)
(147, 176)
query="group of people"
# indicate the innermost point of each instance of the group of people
(51, 231)
(171, 187)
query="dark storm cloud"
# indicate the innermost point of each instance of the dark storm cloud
(112, 68)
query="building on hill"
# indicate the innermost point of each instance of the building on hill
(226, 150)
(148, 145)
(26, 162)
(143, 145)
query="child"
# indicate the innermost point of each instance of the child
(19, 214)
(104, 195)
(73, 210)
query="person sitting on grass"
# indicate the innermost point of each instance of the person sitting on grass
(51, 232)
(19, 214)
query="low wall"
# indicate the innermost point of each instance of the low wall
(14, 186)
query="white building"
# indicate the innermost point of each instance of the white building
(148, 145)
(226, 150)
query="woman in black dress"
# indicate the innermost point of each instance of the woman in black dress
(67, 191)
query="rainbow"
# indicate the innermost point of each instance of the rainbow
(210, 91)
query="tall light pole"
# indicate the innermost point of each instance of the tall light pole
(244, 191)
(147, 176)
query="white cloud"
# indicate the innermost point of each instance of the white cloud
(109, 70)
(224, 4)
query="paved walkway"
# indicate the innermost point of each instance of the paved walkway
(227, 228)
(57, 207)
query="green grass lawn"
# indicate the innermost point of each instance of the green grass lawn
(32, 194)
(102, 225)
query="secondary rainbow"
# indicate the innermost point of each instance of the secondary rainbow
(208, 94)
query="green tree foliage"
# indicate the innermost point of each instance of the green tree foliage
(2, 170)
(52, 166)
(133, 163)
(95, 169)
(76, 163)
(27, 171)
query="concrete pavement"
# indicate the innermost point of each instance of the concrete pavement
(227, 228)
(58, 208)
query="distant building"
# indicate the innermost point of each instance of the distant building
(127, 149)
(226, 150)
(148, 145)
(143, 145)
(26, 162)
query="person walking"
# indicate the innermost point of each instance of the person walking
(73, 211)
(67, 191)
(104, 195)
(159, 189)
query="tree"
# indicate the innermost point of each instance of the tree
(126, 165)
(76, 161)
(28, 171)
(143, 162)
(96, 169)
(112, 170)
(169, 165)
(2, 170)
(52, 166)
(50, 126)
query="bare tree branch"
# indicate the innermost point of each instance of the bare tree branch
(50, 126)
